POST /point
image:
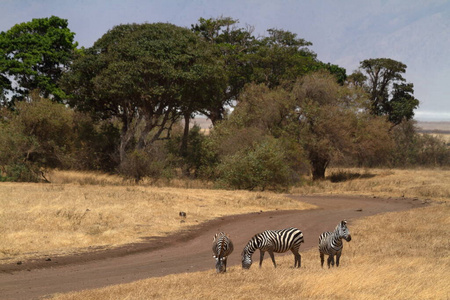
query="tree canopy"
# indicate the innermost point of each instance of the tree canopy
(147, 75)
(33, 56)
(128, 93)
(388, 94)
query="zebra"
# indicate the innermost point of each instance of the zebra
(222, 247)
(330, 243)
(277, 241)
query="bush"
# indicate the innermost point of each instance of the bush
(151, 162)
(193, 161)
(96, 144)
(262, 167)
(37, 135)
(415, 149)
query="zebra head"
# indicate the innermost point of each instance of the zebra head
(246, 259)
(343, 232)
(220, 266)
(247, 255)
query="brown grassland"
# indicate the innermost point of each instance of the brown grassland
(402, 255)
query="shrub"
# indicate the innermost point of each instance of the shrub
(262, 166)
(151, 162)
(37, 135)
(415, 149)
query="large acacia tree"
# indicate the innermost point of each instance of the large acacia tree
(148, 76)
(33, 55)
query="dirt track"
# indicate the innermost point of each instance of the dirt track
(187, 252)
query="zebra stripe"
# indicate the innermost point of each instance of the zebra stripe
(330, 243)
(277, 241)
(222, 247)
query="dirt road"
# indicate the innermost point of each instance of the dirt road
(186, 252)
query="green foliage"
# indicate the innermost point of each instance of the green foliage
(147, 76)
(251, 149)
(384, 76)
(262, 166)
(42, 134)
(37, 135)
(281, 56)
(96, 143)
(14, 149)
(233, 45)
(34, 54)
(402, 105)
(194, 159)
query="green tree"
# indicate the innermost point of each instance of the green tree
(148, 76)
(402, 104)
(388, 94)
(33, 56)
(233, 45)
(281, 56)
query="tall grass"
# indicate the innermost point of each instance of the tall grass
(401, 255)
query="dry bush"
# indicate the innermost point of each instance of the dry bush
(401, 255)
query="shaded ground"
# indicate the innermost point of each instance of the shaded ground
(185, 252)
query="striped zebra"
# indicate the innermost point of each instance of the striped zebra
(330, 243)
(222, 247)
(277, 241)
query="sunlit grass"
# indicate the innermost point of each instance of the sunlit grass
(421, 183)
(44, 219)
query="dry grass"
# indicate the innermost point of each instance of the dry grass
(82, 211)
(421, 183)
(403, 255)
(54, 219)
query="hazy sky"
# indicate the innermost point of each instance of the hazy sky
(343, 32)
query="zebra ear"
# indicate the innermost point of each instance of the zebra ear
(344, 222)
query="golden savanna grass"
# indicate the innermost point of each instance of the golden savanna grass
(411, 183)
(55, 219)
(402, 255)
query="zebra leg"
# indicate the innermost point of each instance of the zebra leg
(273, 258)
(331, 261)
(322, 259)
(338, 256)
(298, 258)
(225, 265)
(261, 257)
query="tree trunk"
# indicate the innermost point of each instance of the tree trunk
(318, 166)
(215, 115)
(185, 138)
